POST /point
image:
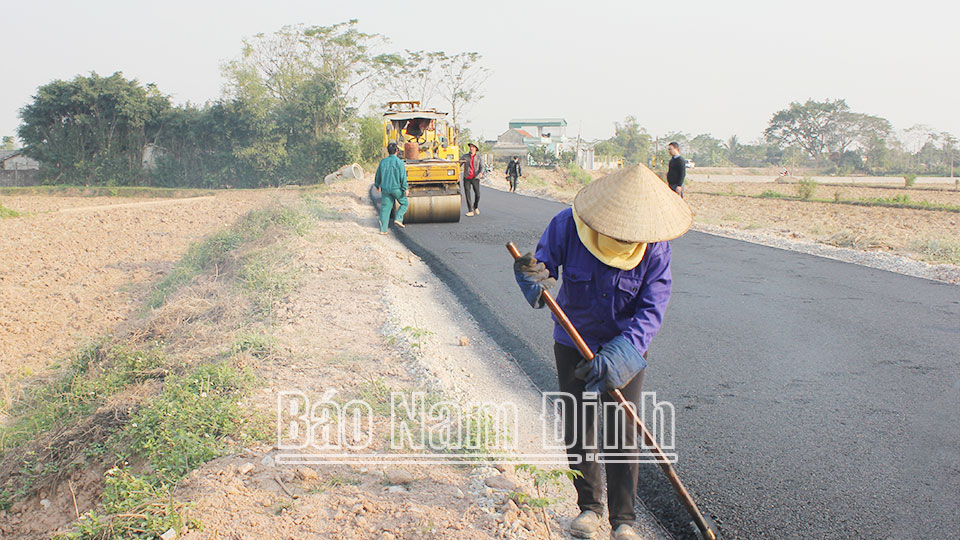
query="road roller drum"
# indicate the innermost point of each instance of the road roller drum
(439, 208)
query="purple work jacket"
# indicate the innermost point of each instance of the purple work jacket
(604, 302)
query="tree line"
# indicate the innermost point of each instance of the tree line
(291, 112)
(825, 136)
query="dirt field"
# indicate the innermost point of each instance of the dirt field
(914, 233)
(72, 267)
(933, 194)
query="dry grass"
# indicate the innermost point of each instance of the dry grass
(853, 239)
(939, 250)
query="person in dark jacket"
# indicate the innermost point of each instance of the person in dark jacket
(614, 251)
(513, 172)
(391, 183)
(473, 169)
(677, 171)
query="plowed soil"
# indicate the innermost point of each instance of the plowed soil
(72, 267)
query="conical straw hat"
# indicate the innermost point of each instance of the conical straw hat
(633, 205)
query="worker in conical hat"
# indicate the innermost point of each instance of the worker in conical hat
(614, 251)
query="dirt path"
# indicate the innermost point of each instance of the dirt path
(143, 204)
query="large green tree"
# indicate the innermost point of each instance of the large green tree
(92, 128)
(276, 66)
(705, 150)
(825, 129)
(630, 141)
(304, 85)
(811, 125)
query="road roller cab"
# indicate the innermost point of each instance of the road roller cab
(428, 146)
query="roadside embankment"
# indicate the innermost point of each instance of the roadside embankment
(169, 423)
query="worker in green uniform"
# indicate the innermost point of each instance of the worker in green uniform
(391, 183)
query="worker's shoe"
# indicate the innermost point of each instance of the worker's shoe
(585, 525)
(624, 532)
(477, 211)
(383, 232)
(470, 213)
(398, 223)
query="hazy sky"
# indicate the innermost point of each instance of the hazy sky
(699, 67)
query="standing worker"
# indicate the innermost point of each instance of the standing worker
(677, 170)
(513, 172)
(614, 250)
(472, 173)
(391, 183)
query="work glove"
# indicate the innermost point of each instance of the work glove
(533, 278)
(613, 367)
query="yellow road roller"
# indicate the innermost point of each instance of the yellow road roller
(428, 146)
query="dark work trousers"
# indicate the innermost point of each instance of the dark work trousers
(621, 477)
(468, 184)
(513, 182)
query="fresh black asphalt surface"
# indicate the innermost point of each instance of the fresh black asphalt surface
(814, 398)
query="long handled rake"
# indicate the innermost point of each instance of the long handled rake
(703, 525)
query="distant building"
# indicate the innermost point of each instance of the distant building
(511, 143)
(551, 128)
(16, 160)
(528, 133)
(525, 134)
(16, 169)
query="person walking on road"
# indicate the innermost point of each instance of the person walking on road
(677, 170)
(513, 172)
(614, 251)
(473, 168)
(391, 183)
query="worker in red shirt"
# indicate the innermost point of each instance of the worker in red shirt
(473, 167)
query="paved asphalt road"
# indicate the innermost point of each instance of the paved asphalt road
(814, 398)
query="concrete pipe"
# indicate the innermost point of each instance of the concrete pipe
(352, 171)
(346, 172)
